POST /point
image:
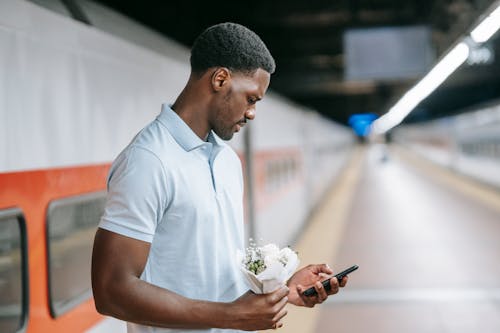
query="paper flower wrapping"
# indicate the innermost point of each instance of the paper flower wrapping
(268, 267)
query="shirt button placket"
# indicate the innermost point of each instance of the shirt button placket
(207, 151)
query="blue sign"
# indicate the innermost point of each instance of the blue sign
(361, 123)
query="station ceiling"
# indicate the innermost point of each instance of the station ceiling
(306, 40)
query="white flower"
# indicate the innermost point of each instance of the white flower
(270, 250)
(267, 268)
(286, 254)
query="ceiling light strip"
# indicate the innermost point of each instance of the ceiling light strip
(437, 75)
(448, 64)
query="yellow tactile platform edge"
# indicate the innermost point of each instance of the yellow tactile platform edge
(482, 193)
(321, 239)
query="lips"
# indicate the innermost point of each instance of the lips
(239, 125)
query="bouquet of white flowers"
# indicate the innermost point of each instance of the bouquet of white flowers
(267, 268)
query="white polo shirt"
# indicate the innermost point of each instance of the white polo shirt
(184, 196)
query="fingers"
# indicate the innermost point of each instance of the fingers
(279, 308)
(310, 301)
(277, 325)
(280, 315)
(321, 268)
(281, 304)
(261, 311)
(344, 281)
(322, 294)
(279, 294)
(326, 269)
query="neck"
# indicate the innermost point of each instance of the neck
(191, 106)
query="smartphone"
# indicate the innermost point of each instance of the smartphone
(326, 284)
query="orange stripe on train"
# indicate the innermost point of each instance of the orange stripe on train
(31, 191)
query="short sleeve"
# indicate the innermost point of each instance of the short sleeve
(137, 195)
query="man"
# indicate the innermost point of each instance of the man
(164, 253)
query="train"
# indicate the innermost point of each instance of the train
(76, 85)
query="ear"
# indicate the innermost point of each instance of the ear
(220, 78)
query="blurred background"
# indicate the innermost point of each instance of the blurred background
(378, 144)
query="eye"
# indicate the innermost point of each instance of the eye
(252, 101)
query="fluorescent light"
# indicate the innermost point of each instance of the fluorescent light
(448, 64)
(437, 75)
(487, 27)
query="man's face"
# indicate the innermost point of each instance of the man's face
(237, 102)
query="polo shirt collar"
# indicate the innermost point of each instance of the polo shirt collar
(183, 134)
(218, 143)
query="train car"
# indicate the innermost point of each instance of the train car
(76, 84)
(468, 143)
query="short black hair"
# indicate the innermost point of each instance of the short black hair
(233, 46)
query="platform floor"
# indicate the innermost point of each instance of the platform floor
(427, 242)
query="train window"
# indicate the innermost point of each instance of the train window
(71, 225)
(13, 273)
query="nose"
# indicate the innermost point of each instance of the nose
(250, 114)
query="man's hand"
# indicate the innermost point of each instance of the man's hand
(117, 264)
(308, 276)
(259, 312)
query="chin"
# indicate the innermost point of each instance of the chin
(226, 136)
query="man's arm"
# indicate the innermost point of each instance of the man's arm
(117, 263)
